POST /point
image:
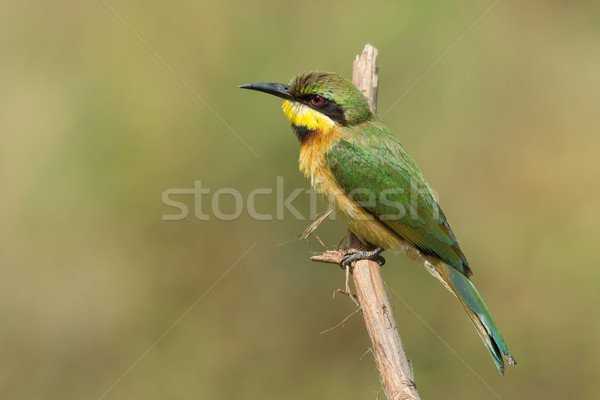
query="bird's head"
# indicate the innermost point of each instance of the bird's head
(318, 101)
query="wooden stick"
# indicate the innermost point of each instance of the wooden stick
(396, 373)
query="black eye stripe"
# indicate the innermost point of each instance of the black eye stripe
(327, 107)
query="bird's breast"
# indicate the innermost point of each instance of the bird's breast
(313, 157)
(315, 166)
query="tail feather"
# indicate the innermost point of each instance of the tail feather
(477, 311)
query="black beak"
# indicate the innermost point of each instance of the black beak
(276, 89)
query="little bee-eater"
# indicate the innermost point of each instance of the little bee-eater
(376, 188)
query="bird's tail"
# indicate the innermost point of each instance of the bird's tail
(476, 309)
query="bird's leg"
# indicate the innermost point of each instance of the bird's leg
(352, 256)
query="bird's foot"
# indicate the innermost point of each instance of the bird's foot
(352, 256)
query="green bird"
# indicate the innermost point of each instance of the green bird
(376, 188)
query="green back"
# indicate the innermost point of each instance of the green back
(370, 165)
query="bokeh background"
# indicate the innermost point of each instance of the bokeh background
(103, 110)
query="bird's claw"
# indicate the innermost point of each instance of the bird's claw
(352, 256)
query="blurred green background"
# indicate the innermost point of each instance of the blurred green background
(95, 126)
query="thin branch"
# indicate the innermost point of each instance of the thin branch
(313, 227)
(394, 368)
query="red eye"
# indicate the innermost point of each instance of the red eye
(316, 100)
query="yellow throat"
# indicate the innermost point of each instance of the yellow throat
(302, 115)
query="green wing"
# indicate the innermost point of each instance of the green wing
(371, 166)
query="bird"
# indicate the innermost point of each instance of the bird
(376, 188)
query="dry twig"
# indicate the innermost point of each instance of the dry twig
(394, 368)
